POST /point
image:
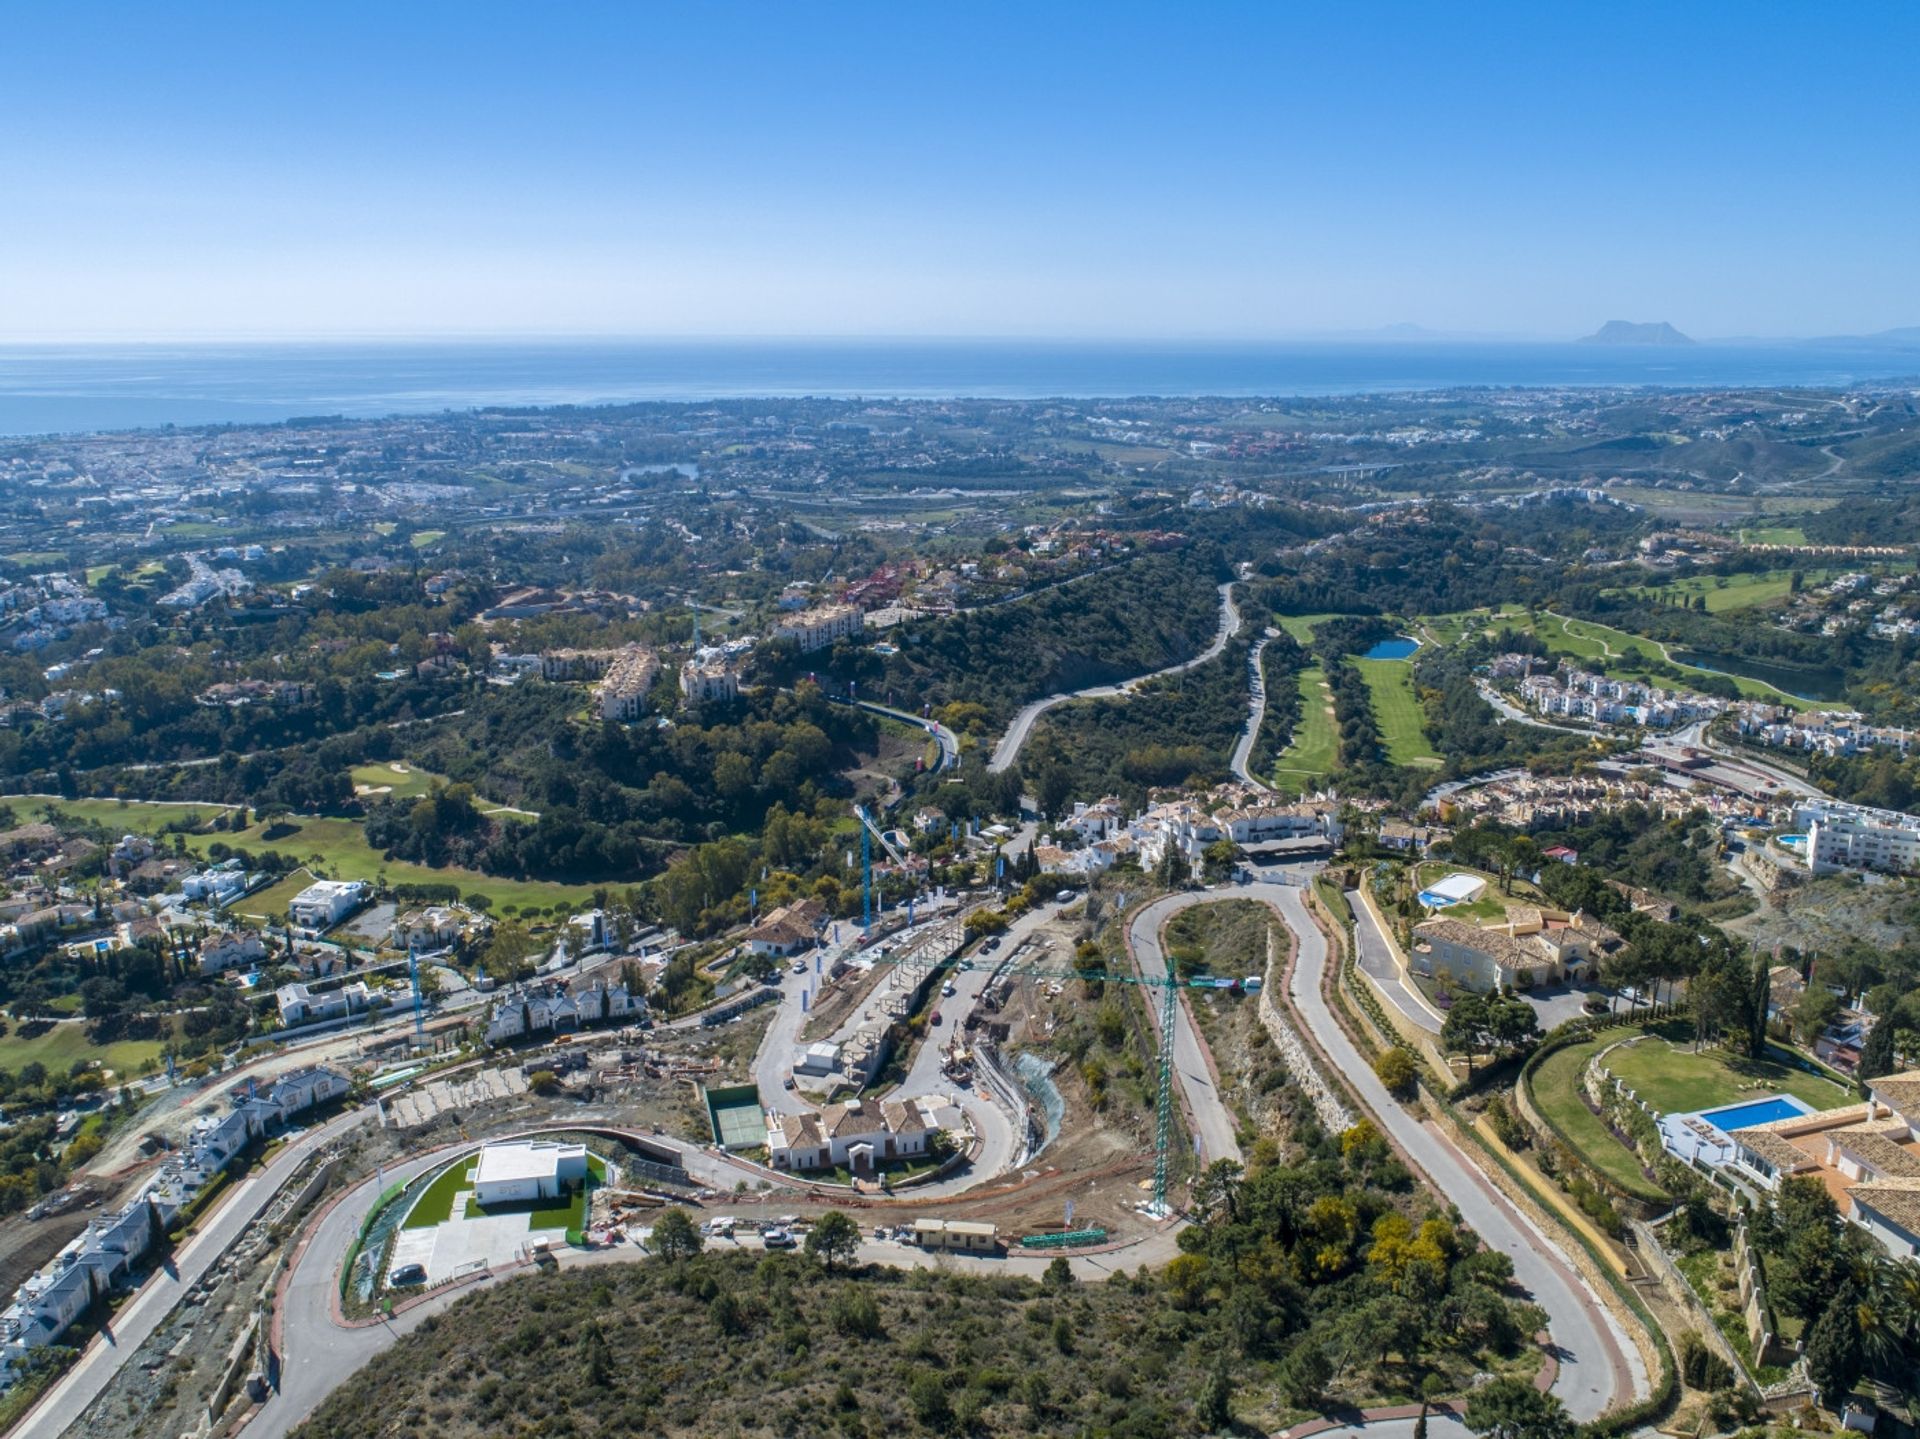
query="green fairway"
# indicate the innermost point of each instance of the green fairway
(333, 846)
(1555, 1090)
(126, 816)
(1773, 535)
(342, 852)
(1310, 756)
(1301, 626)
(1664, 1070)
(66, 1043)
(402, 781)
(1396, 711)
(39, 559)
(423, 538)
(1450, 628)
(1601, 647)
(1734, 592)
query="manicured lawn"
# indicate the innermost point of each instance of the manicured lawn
(1555, 1089)
(422, 538)
(1396, 711)
(1310, 754)
(271, 903)
(435, 1204)
(1663, 1070)
(39, 559)
(1773, 535)
(64, 1044)
(569, 1211)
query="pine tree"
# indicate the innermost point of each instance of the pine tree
(1216, 1399)
(1834, 1359)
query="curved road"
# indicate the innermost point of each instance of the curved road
(1008, 750)
(1599, 1365)
(1211, 1118)
(1256, 714)
(949, 741)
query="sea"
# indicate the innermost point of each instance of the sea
(50, 389)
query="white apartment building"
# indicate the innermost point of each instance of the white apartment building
(817, 628)
(1851, 836)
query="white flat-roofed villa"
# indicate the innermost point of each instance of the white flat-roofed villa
(521, 1170)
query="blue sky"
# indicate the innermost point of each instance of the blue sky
(1036, 169)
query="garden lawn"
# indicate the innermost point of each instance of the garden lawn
(1555, 1090)
(1315, 743)
(435, 1204)
(1663, 1070)
(271, 903)
(66, 1043)
(1397, 712)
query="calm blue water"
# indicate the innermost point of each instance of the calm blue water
(1760, 1111)
(47, 388)
(1395, 649)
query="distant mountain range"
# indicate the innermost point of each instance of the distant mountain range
(1628, 332)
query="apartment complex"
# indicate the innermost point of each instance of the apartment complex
(817, 628)
(1850, 836)
(629, 679)
(709, 679)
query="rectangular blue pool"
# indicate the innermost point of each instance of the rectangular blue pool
(1754, 1111)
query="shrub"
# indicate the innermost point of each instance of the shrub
(1395, 1070)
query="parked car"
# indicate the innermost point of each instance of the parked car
(948, 990)
(777, 1238)
(408, 1274)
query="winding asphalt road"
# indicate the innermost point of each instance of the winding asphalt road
(1213, 1122)
(1256, 714)
(1598, 1364)
(1008, 750)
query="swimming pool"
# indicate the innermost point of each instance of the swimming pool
(1754, 1111)
(1793, 841)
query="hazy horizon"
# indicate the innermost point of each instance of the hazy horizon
(1093, 172)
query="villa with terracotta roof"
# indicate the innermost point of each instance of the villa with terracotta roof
(1531, 946)
(1867, 1155)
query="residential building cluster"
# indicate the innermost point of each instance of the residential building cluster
(1532, 802)
(532, 1010)
(1827, 732)
(816, 628)
(1104, 834)
(710, 677)
(106, 1253)
(1581, 694)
